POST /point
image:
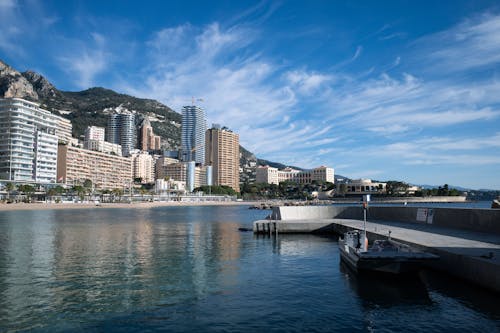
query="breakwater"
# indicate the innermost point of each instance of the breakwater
(467, 240)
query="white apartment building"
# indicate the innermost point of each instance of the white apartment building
(143, 167)
(270, 175)
(64, 129)
(266, 174)
(94, 133)
(162, 186)
(94, 140)
(28, 142)
(103, 146)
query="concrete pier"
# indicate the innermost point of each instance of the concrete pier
(459, 236)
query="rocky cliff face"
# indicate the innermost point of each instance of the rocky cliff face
(42, 87)
(13, 84)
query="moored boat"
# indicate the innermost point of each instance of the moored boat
(383, 256)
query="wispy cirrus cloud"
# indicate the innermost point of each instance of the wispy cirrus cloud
(83, 60)
(473, 43)
(240, 88)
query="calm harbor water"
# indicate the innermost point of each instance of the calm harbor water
(188, 269)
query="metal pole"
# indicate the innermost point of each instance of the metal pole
(364, 228)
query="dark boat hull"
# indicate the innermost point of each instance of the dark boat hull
(388, 263)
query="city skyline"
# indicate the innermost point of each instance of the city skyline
(392, 91)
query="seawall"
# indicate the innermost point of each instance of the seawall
(474, 219)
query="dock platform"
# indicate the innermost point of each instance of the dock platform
(468, 254)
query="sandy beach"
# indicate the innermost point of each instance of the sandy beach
(140, 205)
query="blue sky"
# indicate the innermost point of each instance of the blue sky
(406, 90)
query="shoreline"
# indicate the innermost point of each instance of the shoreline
(138, 205)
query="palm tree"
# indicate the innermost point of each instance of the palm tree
(9, 187)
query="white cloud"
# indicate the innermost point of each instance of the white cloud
(85, 66)
(84, 59)
(7, 4)
(239, 88)
(359, 49)
(306, 82)
(471, 44)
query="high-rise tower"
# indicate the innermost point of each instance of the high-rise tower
(121, 130)
(194, 126)
(147, 139)
(223, 154)
(28, 141)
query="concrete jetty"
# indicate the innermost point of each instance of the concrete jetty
(466, 240)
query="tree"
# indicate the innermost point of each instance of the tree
(342, 189)
(28, 190)
(9, 187)
(87, 184)
(396, 188)
(79, 190)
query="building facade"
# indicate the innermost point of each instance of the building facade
(64, 130)
(147, 139)
(188, 172)
(143, 167)
(28, 142)
(103, 146)
(223, 154)
(161, 165)
(94, 133)
(121, 130)
(94, 140)
(194, 125)
(270, 175)
(106, 171)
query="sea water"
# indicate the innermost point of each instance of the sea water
(189, 269)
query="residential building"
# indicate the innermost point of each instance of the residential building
(121, 130)
(194, 126)
(270, 175)
(94, 140)
(104, 147)
(163, 186)
(64, 129)
(106, 171)
(28, 142)
(94, 133)
(143, 167)
(266, 174)
(147, 140)
(223, 154)
(188, 172)
(161, 164)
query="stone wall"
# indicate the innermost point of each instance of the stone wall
(484, 220)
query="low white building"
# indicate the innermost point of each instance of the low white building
(270, 175)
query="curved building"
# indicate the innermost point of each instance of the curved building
(121, 130)
(194, 126)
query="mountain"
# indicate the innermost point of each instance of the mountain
(92, 106)
(13, 84)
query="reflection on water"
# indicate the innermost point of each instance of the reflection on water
(377, 290)
(190, 269)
